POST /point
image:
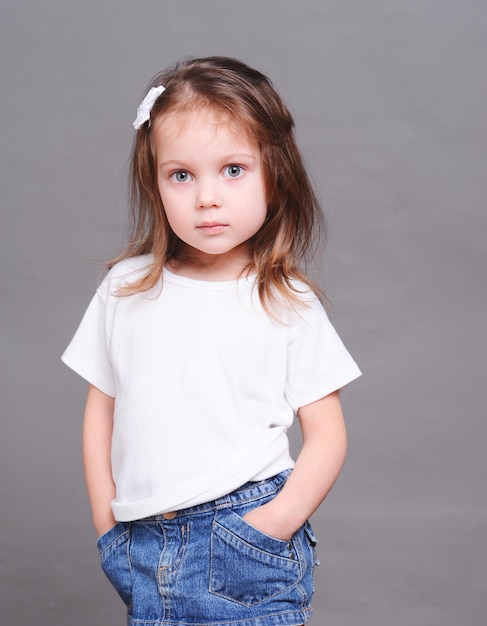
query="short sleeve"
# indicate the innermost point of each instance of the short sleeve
(87, 354)
(318, 362)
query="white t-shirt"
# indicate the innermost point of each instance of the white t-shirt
(206, 383)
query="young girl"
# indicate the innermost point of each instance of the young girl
(200, 346)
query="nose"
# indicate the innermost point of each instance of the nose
(208, 195)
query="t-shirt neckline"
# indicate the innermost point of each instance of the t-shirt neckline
(210, 285)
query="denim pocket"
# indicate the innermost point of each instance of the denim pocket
(115, 559)
(248, 566)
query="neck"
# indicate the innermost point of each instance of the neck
(213, 267)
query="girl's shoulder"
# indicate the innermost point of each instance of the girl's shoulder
(303, 306)
(126, 271)
(306, 297)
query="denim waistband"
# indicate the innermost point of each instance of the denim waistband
(253, 490)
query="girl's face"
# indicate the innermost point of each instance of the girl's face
(211, 184)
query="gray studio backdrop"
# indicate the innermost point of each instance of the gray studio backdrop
(390, 102)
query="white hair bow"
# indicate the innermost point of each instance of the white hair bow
(145, 107)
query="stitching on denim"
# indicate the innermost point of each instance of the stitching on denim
(115, 540)
(302, 616)
(255, 549)
(166, 571)
(126, 549)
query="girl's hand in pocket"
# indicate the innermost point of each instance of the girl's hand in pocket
(103, 527)
(266, 519)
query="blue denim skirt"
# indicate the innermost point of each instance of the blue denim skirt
(208, 566)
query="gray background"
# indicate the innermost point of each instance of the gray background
(390, 102)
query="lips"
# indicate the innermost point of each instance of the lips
(212, 228)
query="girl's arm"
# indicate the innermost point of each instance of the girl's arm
(317, 467)
(97, 442)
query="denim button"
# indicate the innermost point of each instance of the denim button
(169, 515)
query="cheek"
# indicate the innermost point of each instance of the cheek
(171, 215)
(169, 200)
(175, 219)
(261, 204)
(163, 191)
(180, 222)
(253, 220)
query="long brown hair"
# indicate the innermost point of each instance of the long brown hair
(294, 219)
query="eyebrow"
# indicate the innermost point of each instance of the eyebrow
(230, 158)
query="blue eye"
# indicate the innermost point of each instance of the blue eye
(233, 171)
(181, 176)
